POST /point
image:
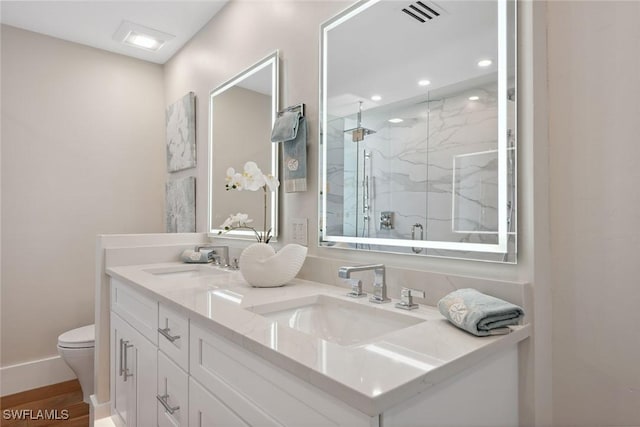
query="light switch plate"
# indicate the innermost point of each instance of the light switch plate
(299, 231)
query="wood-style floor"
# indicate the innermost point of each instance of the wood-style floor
(58, 405)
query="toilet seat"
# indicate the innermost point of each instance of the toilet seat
(84, 337)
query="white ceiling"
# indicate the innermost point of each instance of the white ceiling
(93, 23)
(382, 51)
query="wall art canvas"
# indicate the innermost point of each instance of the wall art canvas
(180, 205)
(181, 133)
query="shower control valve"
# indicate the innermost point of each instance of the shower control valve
(386, 220)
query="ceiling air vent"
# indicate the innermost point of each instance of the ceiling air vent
(422, 11)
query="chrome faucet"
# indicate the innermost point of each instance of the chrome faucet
(216, 256)
(379, 285)
(406, 298)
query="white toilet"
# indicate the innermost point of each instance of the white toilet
(76, 347)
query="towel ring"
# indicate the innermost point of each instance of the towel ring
(293, 108)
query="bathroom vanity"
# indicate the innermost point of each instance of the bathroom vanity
(194, 345)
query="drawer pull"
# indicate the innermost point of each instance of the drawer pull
(165, 333)
(163, 399)
(125, 370)
(121, 353)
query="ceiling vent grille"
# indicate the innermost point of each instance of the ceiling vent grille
(422, 12)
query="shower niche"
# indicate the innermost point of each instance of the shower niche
(418, 143)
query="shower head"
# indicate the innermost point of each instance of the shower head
(358, 133)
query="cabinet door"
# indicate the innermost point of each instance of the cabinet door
(146, 364)
(173, 393)
(133, 376)
(207, 411)
(123, 381)
(260, 393)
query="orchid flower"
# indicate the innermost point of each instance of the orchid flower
(241, 221)
(251, 179)
(234, 180)
(272, 182)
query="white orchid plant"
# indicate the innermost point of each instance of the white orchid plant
(251, 179)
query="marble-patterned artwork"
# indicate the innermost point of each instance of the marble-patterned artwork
(181, 133)
(180, 205)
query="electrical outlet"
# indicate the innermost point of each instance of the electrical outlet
(299, 231)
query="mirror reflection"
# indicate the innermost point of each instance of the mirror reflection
(242, 112)
(418, 142)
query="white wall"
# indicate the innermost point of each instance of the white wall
(594, 117)
(82, 154)
(246, 31)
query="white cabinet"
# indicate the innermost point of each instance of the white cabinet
(205, 410)
(138, 310)
(483, 396)
(169, 369)
(260, 393)
(133, 376)
(172, 393)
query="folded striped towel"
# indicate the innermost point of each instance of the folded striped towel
(478, 313)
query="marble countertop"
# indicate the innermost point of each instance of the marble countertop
(371, 376)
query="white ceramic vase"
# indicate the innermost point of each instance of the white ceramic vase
(262, 267)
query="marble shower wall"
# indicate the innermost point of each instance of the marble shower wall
(437, 168)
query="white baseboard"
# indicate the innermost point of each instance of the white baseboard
(99, 410)
(34, 374)
(104, 422)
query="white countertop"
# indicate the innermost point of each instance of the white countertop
(371, 377)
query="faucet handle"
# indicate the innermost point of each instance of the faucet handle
(406, 298)
(356, 288)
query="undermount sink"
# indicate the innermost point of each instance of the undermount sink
(187, 271)
(332, 319)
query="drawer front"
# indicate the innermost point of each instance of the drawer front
(173, 335)
(244, 382)
(138, 310)
(172, 393)
(205, 410)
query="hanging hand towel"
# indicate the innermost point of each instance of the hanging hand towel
(285, 128)
(295, 160)
(478, 313)
(291, 129)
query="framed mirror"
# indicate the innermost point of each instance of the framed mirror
(241, 114)
(418, 129)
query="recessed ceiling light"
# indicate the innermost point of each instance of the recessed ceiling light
(143, 41)
(474, 98)
(424, 83)
(142, 37)
(396, 120)
(484, 63)
(376, 98)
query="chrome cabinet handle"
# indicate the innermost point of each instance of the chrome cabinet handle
(125, 371)
(163, 399)
(165, 333)
(121, 370)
